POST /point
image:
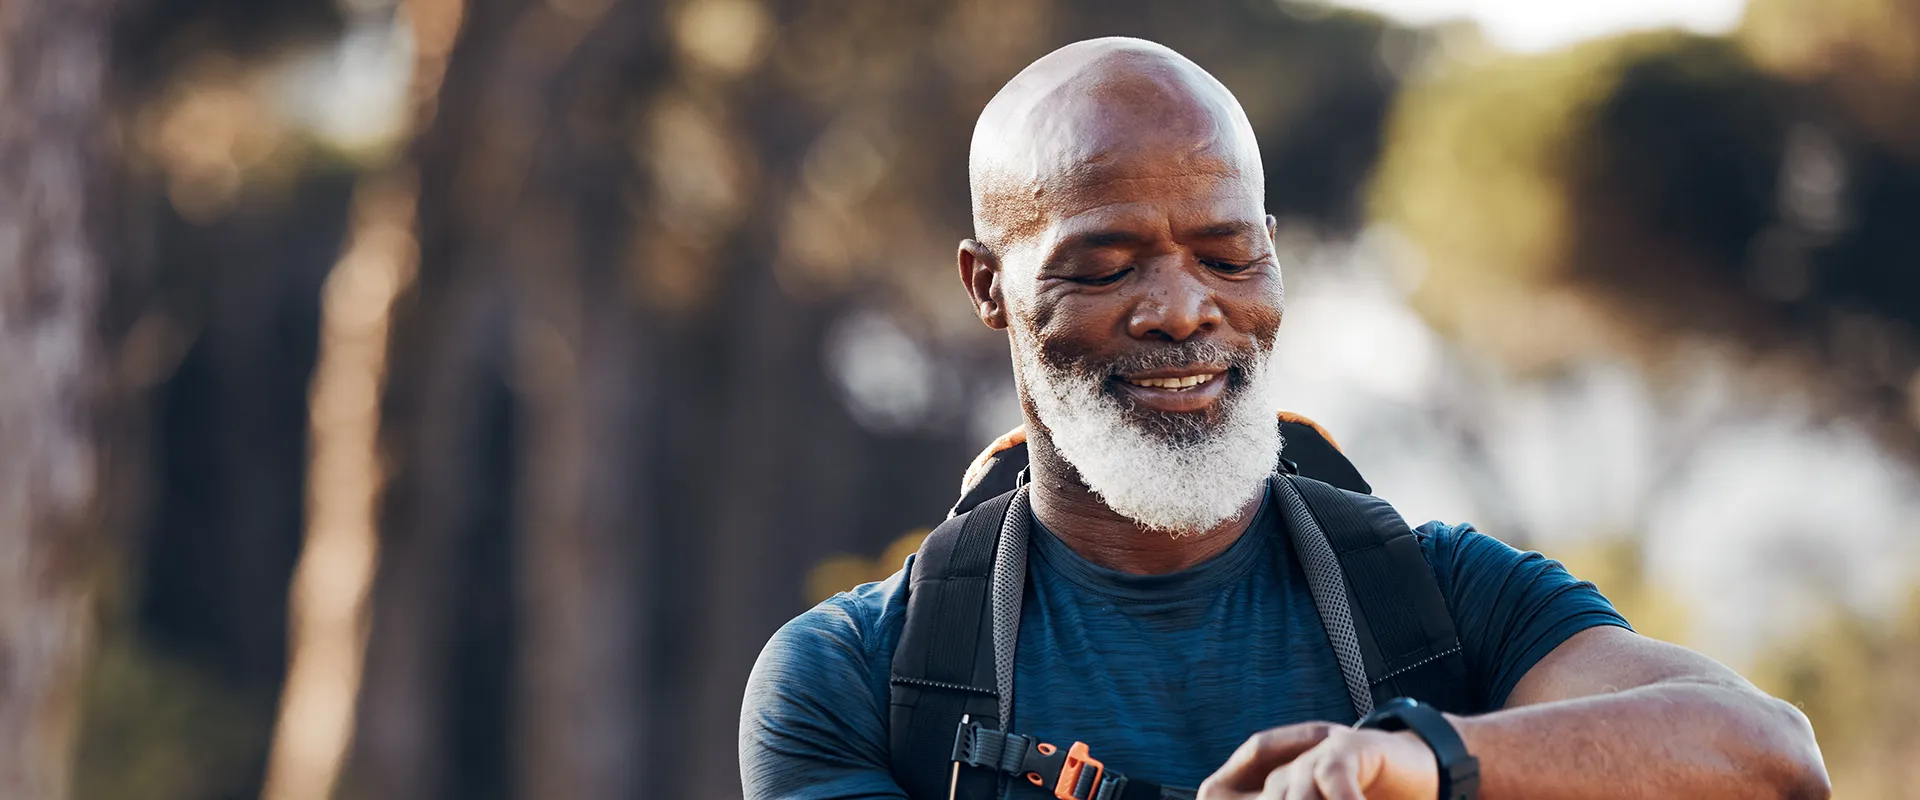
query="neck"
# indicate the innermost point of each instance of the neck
(1075, 514)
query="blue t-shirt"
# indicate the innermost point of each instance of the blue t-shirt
(1162, 675)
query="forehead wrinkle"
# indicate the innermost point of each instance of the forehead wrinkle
(1195, 206)
(1020, 211)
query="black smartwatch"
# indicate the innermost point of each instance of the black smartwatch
(1459, 770)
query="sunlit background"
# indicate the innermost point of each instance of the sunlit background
(483, 381)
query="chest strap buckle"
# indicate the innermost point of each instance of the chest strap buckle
(1072, 774)
(1075, 783)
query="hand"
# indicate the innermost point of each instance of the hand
(1323, 761)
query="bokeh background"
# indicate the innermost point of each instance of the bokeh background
(447, 398)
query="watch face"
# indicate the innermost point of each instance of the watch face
(1389, 715)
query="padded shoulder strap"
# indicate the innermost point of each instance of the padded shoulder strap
(943, 667)
(1407, 641)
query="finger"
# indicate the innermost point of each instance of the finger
(1337, 776)
(1279, 783)
(1291, 782)
(1248, 767)
(1300, 784)
(1213, 788)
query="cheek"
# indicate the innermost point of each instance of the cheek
(1072, 328)
(1257, 312)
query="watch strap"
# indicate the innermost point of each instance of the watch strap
(1459, 770)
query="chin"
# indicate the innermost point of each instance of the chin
(1173, 471)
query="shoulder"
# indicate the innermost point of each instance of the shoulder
(1453, 548)
(1510, 606)
(1464, 559)
(847, 635)
(813, 716)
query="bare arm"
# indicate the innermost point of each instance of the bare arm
(1611, 714)
(1607, 714)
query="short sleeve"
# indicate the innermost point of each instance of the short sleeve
(810, 725)
(1511, 607)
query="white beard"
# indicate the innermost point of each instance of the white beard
(1177, 481)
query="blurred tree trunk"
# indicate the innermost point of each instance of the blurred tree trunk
(519, 349)
(438, 512)
(53, 72)
(556, 220)
(444, 501)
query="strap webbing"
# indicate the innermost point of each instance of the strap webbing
(943, 667)
(1020, 756)
(1407, 639)
(1328, 585)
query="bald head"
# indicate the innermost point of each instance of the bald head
(1123, 244)
(1095, 112)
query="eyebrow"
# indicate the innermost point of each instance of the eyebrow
(1094, 240)
(1226, 230)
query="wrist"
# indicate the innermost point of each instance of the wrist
(1458, 770)
(1425, 779)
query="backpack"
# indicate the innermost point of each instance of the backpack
(952, 673)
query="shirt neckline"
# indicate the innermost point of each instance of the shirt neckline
(1228, 565)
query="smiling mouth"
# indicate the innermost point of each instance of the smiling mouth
(1177, 384)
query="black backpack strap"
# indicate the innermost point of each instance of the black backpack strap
(1309, 451)
(1327, 582)
(943, 666)
(1403, 627)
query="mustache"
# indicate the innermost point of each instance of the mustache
(1239, 361)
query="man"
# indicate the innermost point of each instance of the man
(1122, 244)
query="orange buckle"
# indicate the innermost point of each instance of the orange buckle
(1077, 761)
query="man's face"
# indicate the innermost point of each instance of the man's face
(1156, 278)
(1143, 306)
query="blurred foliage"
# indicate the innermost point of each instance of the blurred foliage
(1753, 192)
(1863, 54)
(1504, 175)
(160, 729)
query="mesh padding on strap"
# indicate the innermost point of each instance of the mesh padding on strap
(1329, 587)
(1009, 585)
(1408, 642)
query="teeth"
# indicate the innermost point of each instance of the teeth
(1173, 383)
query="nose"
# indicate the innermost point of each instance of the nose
(1176, 305)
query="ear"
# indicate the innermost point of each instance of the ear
(980, 272)
(1273, 234)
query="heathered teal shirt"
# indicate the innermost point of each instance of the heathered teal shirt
(1162, 675)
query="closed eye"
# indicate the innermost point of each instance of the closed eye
(1230, 268)
(1104, 279)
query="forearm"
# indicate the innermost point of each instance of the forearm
(1673, 739)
